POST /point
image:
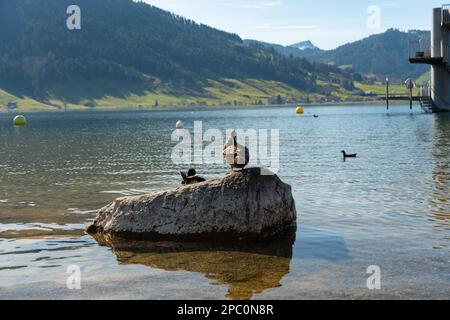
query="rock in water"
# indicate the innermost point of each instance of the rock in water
(240, 205)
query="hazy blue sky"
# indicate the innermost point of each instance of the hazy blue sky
(328, 23)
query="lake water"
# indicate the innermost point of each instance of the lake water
(388, 208)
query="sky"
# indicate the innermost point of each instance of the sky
(327, 23)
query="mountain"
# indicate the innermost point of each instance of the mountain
(379, 55)
(298, 50)
(284, 50)
(129, 49)
(304, 45)
(303, 49)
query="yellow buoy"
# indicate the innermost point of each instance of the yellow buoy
(20, 121)
(299, 110)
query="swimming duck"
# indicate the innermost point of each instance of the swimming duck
(348, 155)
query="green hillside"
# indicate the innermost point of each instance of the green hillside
(131, 53)
(216, 93)
(424, 78)
(381, 55)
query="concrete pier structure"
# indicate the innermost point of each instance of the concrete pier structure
(438, 58)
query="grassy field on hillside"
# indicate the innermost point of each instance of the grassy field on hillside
(423, 79)
(107, 94)
(104, 94)
(380, 89)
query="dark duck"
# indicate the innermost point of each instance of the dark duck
(345, 155)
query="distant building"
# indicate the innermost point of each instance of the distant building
(11, 105)
(277, 100)
(90, 104)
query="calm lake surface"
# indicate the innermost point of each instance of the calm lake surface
(390, 207)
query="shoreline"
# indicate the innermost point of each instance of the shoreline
(202, 108)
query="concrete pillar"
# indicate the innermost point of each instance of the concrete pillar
(436, 33)
(440, 75)
(435, 48)
(444, 44)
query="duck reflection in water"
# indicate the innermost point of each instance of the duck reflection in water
(247, 269)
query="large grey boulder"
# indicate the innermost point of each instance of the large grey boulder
(240, 205)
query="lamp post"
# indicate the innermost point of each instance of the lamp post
(387, 93)
(410, 86)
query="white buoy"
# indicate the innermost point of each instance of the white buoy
(179, 125)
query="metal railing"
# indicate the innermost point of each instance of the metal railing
(424, 91)
(446, 15)
(417, 49)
